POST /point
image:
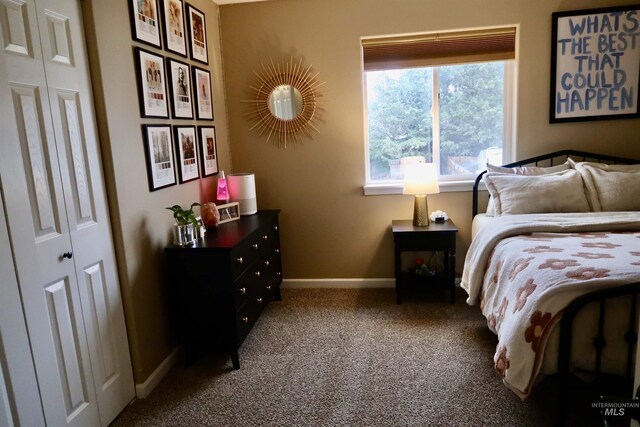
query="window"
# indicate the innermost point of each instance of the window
(438, 98)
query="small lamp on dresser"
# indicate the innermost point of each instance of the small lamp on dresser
(420, 179)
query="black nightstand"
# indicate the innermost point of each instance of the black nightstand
(435, 237)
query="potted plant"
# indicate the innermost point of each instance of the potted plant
(184, 230)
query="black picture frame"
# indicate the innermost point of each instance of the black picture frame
(158, 148)
(197, 26)
(152, 90)
(595, 69)
(173, 22)
(145, 22)
(180, 89)
(186, 143)
(208, 150)
(202, 95)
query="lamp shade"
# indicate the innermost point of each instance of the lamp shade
(242, 189)
(420, 178)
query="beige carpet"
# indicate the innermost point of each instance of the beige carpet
(350, 357)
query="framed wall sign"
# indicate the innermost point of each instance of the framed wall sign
(144, 21)
(180, 84)
(202, 85)
(161, 170)
(595, 64)
(151, 84)
(175, 38)
(197, 34)
(208, 150)
(186, 153)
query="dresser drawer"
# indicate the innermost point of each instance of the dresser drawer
(247, 315)
(243, 255)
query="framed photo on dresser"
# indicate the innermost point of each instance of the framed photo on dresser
(197, 34)
(152, 90)
(186, 153)
(145, 24)
(208, 150)
(175, 38)
(202, 85)
(180, 84)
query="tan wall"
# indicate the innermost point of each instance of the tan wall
(141, 225)
(329, 229)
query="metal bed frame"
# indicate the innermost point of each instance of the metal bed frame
(600, 298)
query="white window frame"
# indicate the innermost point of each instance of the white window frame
(448, 183)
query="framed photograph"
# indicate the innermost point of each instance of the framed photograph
(186, 153)
(228, 212)
(595, 64)
(158, 148)
(197, 34)
(208, 150)
(202, 85)
(151, 84)
(175, 38)
(144, 21)
(180, 84)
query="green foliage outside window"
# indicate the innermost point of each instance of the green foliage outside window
(400, 115)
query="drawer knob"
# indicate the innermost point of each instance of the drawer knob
(259, 300)
(275, 227)
(266, 263)
(278, 274)
(245, 319)
(257, 273)
(268, 287)
(255, 246)
(265, 237)
(239, 260)
(277, 251)
(243, 290)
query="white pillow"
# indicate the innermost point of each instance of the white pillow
(529, 170)
(522, 170)
(520, 194)
(611, 188)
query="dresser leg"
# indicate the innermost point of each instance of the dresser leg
(235, 360)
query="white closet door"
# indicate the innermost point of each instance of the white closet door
(38, 225)
(68, 80)
(51, 174)
(19, 398)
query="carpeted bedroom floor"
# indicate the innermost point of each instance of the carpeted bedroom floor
(350, 357)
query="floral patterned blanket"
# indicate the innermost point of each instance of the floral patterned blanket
(525, 269)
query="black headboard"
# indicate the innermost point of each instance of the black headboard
(550, 159)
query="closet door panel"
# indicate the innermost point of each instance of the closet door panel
(19, 396)
(69, 84)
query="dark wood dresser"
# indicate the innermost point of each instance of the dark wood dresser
(219, 286)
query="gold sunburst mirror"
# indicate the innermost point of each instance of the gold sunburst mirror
(284, 104)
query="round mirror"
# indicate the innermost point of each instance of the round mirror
(285, 102)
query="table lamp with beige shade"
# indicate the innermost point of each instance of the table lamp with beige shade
(420, 179)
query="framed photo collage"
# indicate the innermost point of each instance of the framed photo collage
(172, 84)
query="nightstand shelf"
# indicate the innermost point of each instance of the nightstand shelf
(435, 237)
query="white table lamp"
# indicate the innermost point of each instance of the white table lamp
(420, 179)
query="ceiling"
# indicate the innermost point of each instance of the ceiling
(221, 2)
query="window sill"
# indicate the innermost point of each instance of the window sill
(393, 188)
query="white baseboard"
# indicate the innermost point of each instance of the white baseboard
(144, 390)
(337, 283)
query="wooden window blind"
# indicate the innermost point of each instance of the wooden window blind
(387, 53)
